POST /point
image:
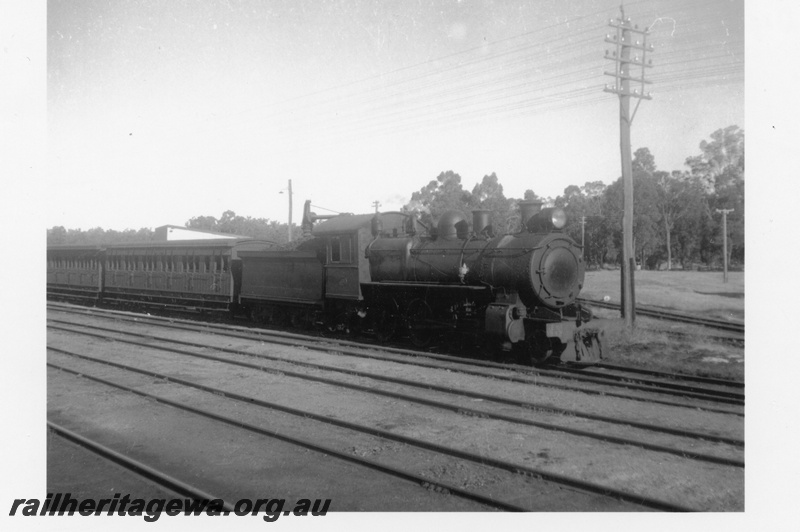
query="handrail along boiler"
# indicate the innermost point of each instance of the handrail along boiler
(520, 289)
(376, 273)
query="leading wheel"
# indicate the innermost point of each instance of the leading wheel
(540, 349)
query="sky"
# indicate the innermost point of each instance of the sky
(161, 111)
(140, 114)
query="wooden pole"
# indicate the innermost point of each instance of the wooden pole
(627, 173)
(290, 210)
(624, 42)
(724, 243)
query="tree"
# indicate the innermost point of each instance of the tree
(234, 224)
(722, 160)
(488, 194)
(585, 220)
(204, 223)
(720, 169)
(645, 212)
(56, 236)
(445, 193)
(643, 162)
(530, 195)
(678, 196)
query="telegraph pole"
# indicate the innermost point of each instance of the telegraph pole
(625, 42)
(376, 204)
(583, 230)
(724, 243)
(290, 210)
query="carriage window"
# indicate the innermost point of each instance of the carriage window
(340, 249)
(225, 265)
(207, 263)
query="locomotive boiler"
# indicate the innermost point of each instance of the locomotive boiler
(518, 289)
(377, 274)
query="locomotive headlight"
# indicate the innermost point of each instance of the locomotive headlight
(559, 218)
(547, 220)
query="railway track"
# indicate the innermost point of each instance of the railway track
(158, 478)
(672, 316)
(495, 408)
(616, 377)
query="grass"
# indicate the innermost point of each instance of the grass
(669, 346)
(702, 293)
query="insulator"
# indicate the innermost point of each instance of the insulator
(638, 43)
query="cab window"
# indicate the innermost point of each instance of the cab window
(341, 250)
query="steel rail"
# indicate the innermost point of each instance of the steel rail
(290, 339)
(664, 375)
(407, 475)
(229, 330)
(388, 435)
(415, 384)
(143, 470)
(655, 384)
(372, 464)
(671, 316)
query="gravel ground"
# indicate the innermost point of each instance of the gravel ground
(190, 445)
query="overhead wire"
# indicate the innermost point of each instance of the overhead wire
(530, 73)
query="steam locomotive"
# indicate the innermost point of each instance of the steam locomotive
(383, 274)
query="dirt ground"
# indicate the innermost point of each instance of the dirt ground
(644, 472)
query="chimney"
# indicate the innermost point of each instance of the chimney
(527, 209)
(480, 220)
